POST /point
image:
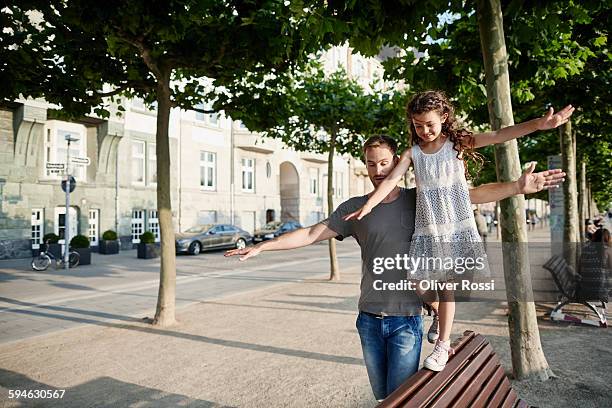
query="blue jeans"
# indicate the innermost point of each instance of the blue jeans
(391, 350)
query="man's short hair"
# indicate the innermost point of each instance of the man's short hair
(379, 140)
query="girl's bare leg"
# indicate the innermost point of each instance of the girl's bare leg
(446, 313)
(438, 358)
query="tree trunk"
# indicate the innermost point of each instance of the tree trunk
(570, 194)
(498, 218)
(584, 201)
(590, 202)
(165, 313)
(334, 271)
(527, 356)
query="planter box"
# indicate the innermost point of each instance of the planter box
(84, 255)
(147, 251)
(108, 247)
(56, 250)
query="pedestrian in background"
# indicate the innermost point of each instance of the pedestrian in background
(481, 226)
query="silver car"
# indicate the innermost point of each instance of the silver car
(211, 236)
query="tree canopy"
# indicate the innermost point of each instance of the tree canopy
(550, 64)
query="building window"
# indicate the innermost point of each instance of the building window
(314, 181)
(211, 119)
(268, 170)
(337, 184)
(248, 175)
(208, 170)
(137, 225)
(152, 164)
(359, 67)
(138, 162)
(56, 148)
(153, 224)
(94, 225)
(340, 57)
(38, 225)
(60, 223)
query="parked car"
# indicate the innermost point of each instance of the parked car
(274, 229)
(211, 236)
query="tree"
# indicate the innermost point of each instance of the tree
(571, 234)
(527, 355)
(309, 111)
(71, 52)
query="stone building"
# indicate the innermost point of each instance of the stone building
(220, 171)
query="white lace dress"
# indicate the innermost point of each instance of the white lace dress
(445, 229)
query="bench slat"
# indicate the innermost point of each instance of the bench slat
(415, 382)
(438, 381)
(458, 386)
(489, 388)
(522, 404)
(500, 393)
(473, 377)
(510, 400)
(477, 383)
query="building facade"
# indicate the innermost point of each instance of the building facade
(220, 172)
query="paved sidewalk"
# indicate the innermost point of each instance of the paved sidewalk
(293, 344)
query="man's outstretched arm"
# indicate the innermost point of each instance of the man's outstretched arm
(528, 183)
(295, 239)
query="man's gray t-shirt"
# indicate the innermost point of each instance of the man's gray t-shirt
(384, 233)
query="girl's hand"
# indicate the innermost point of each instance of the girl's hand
(359, 214)
(550, 121)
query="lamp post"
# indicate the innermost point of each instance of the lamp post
(69, 139)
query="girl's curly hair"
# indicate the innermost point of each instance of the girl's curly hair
(463, 139)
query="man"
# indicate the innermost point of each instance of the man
(481, 226)
(389, 323)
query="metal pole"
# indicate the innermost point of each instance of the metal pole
(232, 187)
(67, 215)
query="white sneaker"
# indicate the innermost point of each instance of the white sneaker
(433, 333)
(438, 358)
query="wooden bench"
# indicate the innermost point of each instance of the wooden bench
(574, 290)
(473, 377)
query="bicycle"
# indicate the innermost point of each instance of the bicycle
(43, 260)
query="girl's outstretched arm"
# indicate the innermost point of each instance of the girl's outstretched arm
(385, 187)
(549, 121)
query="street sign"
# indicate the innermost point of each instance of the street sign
(80, 160)
(557, 210)
(55, 166)
(72, 184)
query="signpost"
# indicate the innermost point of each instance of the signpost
(72, 185)
(557, 210)
(55, 168)
(80, 161)
(68, 185)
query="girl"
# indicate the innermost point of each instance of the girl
(444, 224)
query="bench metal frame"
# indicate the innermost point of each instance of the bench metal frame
(566, 280)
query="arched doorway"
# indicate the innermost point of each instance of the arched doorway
(289, 192)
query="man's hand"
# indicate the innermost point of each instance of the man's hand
(245, 252)
(531, 182)
(550, 121)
